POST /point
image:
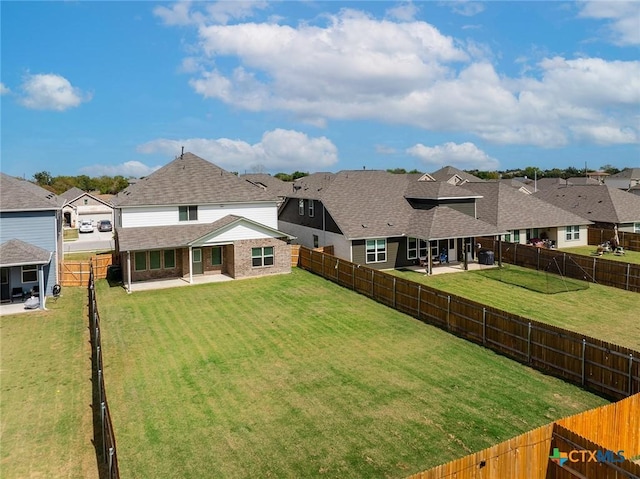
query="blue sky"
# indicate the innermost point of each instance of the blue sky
(120, 87)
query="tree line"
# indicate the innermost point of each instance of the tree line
(114, 184)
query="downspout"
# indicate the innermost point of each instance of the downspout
(128, 271)
(324, 231)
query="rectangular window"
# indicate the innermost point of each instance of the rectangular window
(216, 256)
(187, 213)
(516, 236)
(572, 233)
(169, 258)
(315, 241)
(311, 208)
(154, 259)
(636, 227)
(301, 207)
(262, 256)
(376, 251)
(412, 248)
(140, 260)
(423, 249)
(452, 244)
(30, 274)
(507, 238)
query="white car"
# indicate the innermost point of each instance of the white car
(86, 226)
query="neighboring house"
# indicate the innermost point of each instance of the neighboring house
(627, 179)
(30, 237)
(81, 205)
(604, 205)
(275, 186)
(381, 219)
(192, 218)
(521, 184)
(453, 176)
(526, 218)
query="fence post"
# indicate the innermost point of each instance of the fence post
(628, 274)
(372, 285)
(564, 265)
(353, 276)
(529, 343)
(448, 312)
(630, 373)
(484, 326)
(99, 385)
(323, 274)
(593, 273)
(419, 299)
(538, 259)
(104, 439)
(584, 347)
(394, 292)
(110, 461)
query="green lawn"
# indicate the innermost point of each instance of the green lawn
(628, 257)
(602, 312)
(70, 234)
(45, 393)
(294, 376)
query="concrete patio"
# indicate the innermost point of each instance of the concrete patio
(453, 267)
(177, 282)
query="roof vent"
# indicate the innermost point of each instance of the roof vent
(364, 226)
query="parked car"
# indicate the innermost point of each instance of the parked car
(104, 225)
(86, 226)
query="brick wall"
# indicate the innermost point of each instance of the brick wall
(242, 258)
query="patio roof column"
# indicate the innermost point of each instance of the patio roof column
(41, 286)
(128, 271)
(190, 264)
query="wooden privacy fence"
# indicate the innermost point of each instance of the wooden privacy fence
(630, 241)
(595, 269)
(76, 273)
(603, 367)
(529, 455)
(104, 436)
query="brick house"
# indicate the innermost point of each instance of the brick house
(193, 218)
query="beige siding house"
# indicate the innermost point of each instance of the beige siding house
(193, 218)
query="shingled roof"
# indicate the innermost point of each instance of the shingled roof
(175, 236)
(22, 195)
(373, 204)
(510, 209)
(270, 183)
(190, 180)
(599, 203)
(18, 253)
(71, 193)
(447, 172)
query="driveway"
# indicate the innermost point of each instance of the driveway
(96, 241)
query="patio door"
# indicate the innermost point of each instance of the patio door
(4, 284)
(196, 265)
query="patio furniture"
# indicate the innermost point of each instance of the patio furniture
(35, 291)
(17, 293)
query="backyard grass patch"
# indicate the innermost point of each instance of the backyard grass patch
(45, 393)
(602, 312)
(70, 234)
(628, 256)
(294, 376)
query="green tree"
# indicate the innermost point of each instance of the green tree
(43, 178)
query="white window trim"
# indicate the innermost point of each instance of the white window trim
(301, 207)
(572, 233)
(411, 255)
(263, 256)
(377, 251)
(311, 209)
(29, 268)
(189, 209)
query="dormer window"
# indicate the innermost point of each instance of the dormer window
(188, 213)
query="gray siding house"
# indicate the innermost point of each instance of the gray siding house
(30, 238)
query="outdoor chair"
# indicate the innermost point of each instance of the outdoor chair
(17, 293)
(35, 291)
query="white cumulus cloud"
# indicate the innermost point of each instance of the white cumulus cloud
(279, 149)
(135, 169)
(50, 92)
(623, 18)
(465, 156)
(4, 90)
(358, 67)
